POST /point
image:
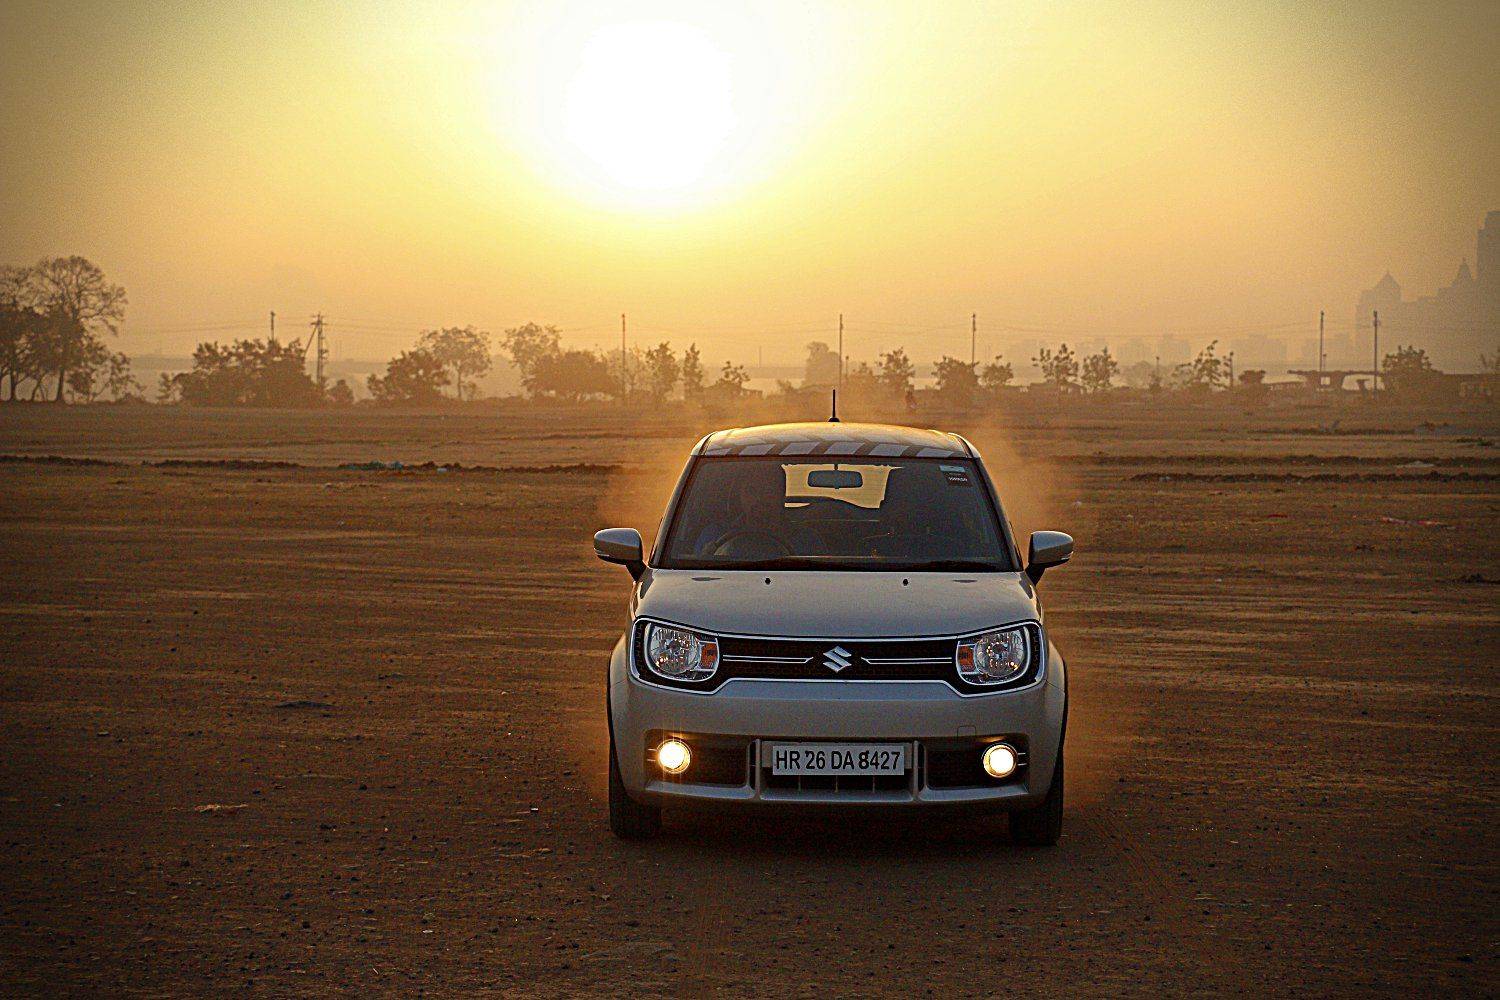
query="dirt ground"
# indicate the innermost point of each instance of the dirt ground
(307, 729)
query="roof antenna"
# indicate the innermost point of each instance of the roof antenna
(835, 418)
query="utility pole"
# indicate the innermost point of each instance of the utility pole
(624, 374)
(1231, 369)
(973, 339)
(1321, 356)
(841, 350)
(321, 355)
(1375, 359)
(273, 327)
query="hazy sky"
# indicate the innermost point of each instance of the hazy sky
(740, 173)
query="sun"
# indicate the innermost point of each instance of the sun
(665, 111)
(651, 107)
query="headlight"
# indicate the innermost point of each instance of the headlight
(679, 654)
(995, 658)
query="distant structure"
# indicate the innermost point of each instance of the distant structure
(1455, 325)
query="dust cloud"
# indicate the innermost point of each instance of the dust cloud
(1040, 493)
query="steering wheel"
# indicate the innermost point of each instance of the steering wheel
(722, 542)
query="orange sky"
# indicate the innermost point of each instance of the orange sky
(737, 174)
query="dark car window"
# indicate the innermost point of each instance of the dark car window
(896, 514)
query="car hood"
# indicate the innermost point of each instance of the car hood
(838, 605)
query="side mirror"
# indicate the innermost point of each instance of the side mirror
(1048, 549)
(623, 546)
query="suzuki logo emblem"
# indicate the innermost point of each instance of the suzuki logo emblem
(837, 659)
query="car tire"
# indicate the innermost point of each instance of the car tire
(1041, 825)
(628, 819)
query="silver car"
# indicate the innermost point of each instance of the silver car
(836, 615)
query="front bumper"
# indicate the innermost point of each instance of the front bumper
(929, 715)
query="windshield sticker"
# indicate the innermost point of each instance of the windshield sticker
(956, 475)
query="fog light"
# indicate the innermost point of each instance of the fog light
(673, 756)
(999, 761)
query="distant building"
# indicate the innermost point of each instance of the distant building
(1454, 325)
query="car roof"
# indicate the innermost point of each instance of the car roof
(827, 438)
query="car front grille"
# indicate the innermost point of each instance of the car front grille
(765, 658)
(863, 660)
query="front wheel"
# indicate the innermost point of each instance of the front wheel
(1041, 825)
(628, 819)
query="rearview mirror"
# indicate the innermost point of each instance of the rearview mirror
(1048, 549)
(835, 479)
(623, 546)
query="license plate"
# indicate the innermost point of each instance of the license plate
(823, 759)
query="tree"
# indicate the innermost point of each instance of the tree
(996, 375)
(21, 328)
(861, 382)
(1059, 369)
(119, 381)
(692, 373)
(465, 350)
(822, 367)
(662, 371)
(1408, 372)
(627, 368)
(100, 372)
(956, 380)
(77, 300)
(412, 378)
(85, 381)
(1099, 371)
(528, 346)
(246, 373)
(340, 394)
(1140, 375)
(574, 375)
(1204, 373)
(897, 374)
(732, 380)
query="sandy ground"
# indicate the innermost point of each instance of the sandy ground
(306, 729)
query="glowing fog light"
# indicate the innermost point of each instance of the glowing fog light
(673, 756)
(999, 761)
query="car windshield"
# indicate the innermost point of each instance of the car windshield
(898, 514)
